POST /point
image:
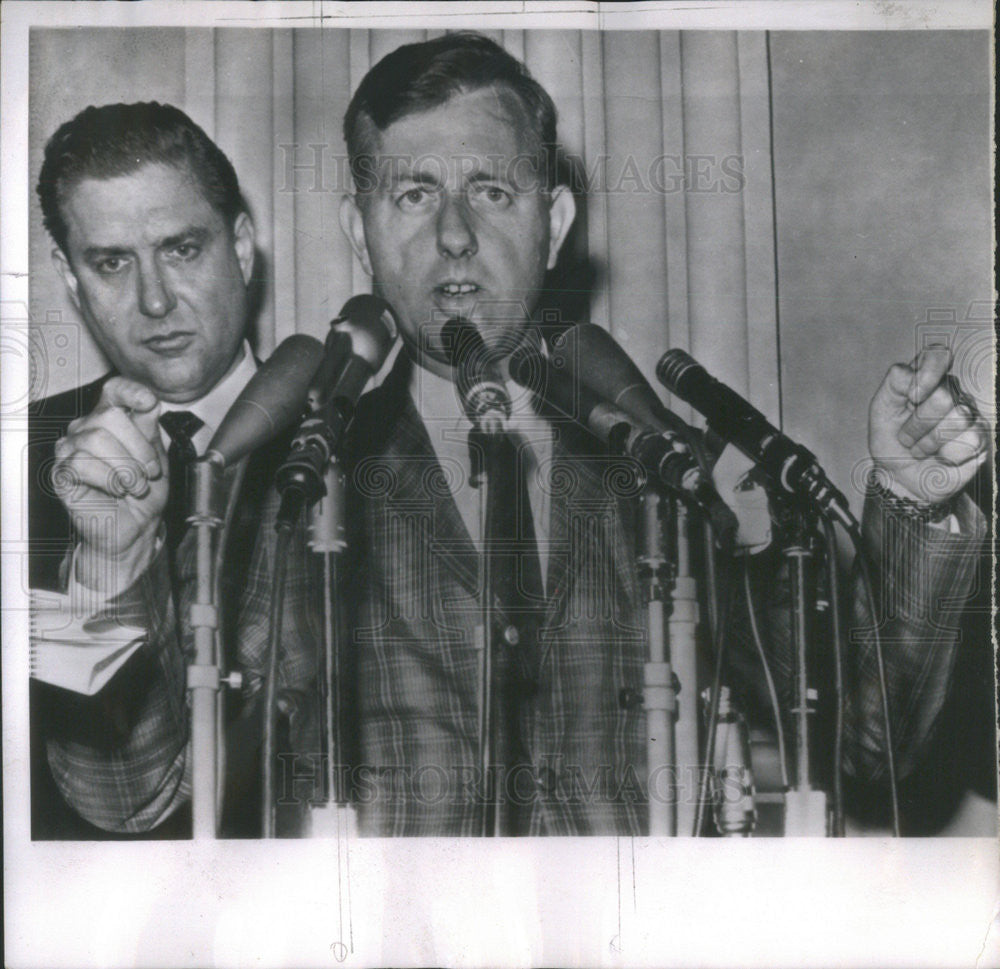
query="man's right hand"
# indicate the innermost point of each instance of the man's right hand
(111, 474)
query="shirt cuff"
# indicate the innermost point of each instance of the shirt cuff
(91, 602)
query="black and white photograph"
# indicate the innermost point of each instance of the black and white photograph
(494, 484)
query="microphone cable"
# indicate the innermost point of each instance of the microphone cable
(280, 569)
(833, 585)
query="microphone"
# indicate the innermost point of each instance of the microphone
(601, 364)
(664, 456)
(358, 343)
(787, 465)
(360, 339)
(478, 378)
(271, 400)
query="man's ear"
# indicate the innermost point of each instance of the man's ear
(562, 211)
(65, 270)
(243, 243)
(353, 224)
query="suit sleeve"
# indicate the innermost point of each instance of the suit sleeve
(120, 758)
(925, 578)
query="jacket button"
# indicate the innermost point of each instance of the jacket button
(547, 780)
(629, 698)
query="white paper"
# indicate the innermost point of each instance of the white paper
(77, 654)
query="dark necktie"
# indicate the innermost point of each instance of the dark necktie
(517, 570)
(518, 600)
(181, 426)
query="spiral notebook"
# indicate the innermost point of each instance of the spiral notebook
(77, 654)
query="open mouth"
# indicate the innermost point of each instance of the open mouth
(456, 290)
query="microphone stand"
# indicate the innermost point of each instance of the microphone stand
(684, 656)
(336, 817)
(312, 476)
(204, 673)
(805, 806)
(659, 695)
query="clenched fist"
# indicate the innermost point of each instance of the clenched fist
(924, 435)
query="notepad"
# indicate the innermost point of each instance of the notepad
(76, 654)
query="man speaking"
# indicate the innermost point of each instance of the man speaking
(457, 215)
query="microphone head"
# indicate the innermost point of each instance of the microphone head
(673, 365)
(478, 379)
(561, 394)
(357, 345)
(371, 324)
(602, 365)
(270, 402)
(336, 350)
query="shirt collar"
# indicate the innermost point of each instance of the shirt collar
(216, 403)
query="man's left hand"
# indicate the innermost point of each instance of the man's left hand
(923, 433)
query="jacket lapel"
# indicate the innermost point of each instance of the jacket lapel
(389, 442)
(591, 527)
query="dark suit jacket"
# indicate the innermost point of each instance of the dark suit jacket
(58, 713)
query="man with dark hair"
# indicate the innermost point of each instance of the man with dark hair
(116, 139)
(156, 247)
(457, 216)
(418, 77)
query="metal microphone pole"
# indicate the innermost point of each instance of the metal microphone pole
(311, 476)
(805, 806)
(682, 626)
(336, 817)
(204, 674)
(659, 687)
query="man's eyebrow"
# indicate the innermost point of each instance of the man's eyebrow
(397, 175)
(194, 233)
(497, 176)
(103, 252)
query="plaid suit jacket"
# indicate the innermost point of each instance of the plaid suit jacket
(414, 599)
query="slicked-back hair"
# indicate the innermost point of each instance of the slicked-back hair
(419, 77)
(119, 139)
